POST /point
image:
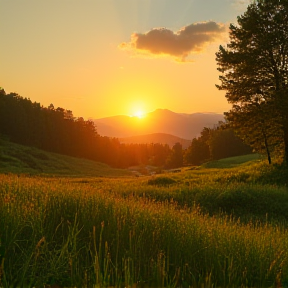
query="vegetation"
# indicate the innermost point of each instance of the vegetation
(15, 158)
(254, 74)
(222, 224)
(58, 131)
(213, 144)
(212, 227)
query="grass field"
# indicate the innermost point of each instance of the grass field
(220, 225)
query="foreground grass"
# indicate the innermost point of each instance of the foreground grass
(150, 231)
(251, 190)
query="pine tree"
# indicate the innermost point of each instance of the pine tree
(254, 73)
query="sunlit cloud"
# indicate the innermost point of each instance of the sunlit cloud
(189, 40)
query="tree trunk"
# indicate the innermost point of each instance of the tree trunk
(285, 128)
(285, 144)
(266, 146)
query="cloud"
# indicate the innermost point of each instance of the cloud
(164, 42)
(241, 4)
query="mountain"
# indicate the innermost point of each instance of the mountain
(185, 126)
(161, 138)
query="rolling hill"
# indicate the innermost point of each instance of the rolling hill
(15, 158)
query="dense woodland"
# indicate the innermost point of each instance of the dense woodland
(57, 130)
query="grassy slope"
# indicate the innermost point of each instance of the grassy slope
(15, 158)
(243, 186)
(250, 168)
(233, 161)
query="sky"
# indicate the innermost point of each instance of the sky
(101, 58)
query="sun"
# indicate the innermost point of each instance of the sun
(139, 114)
(137, 108)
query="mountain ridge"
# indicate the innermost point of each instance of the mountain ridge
(182, 125)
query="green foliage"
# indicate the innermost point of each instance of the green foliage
(212, 227)
(176, 157)
(232, 161)
(223, 143)
(278, 174)
(161, 181)
(213, 144)
(198, 152)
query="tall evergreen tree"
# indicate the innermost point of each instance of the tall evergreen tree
(254, 71)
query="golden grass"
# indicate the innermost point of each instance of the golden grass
(121, 232)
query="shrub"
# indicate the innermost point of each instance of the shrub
(161, 181)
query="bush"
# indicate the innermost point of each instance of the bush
(161, 181)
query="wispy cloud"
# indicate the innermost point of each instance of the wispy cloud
(164, 42)
(241, 4)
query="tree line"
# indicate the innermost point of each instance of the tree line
(214, 144)
(57, 130)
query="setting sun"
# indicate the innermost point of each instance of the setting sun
(140, 114)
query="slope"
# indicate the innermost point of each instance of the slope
(15, 158)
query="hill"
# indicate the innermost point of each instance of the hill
(15, 158)
(185, 126)
(161, 138)
(235, 161)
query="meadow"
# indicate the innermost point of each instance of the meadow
(220, 225)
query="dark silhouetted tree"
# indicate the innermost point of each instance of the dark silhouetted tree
(215, 143)
(254, 73)
(224, 143)
(198, 152)
(159, 154)
(175, 158)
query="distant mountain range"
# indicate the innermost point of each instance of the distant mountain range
(159, 122)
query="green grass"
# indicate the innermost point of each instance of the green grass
(233, 161)
(211, 226)
(78, 234)
(15, 158)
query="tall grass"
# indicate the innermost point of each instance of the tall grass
(103, 232)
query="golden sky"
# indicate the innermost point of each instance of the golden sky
(101, 58)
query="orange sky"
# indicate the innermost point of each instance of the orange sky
(101, 58)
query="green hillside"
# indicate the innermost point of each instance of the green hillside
(233, 161)
(15, 158)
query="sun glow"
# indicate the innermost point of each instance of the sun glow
(139, 114)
